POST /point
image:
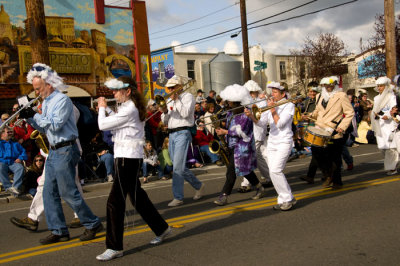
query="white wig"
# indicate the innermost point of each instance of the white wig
(45, 72)
(251, 85)
(382, 81)
(236, 93)
(275, 85)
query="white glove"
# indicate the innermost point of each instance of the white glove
(329, 129)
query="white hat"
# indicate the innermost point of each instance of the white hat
(275, 85)
(251, 85)
(315, 89)
(236, 93)
(150, 102)
(176, 80)
(383, 81)
(324, 81)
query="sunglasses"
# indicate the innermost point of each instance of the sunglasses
(39, 160)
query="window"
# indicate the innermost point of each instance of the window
(282, 68)
(190, 69)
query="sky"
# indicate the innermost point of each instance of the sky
(174, 22)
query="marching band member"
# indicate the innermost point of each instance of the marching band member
(128, 130)
(381, 122)
(260, 134)
(179, 116)
(280, 143)
(241, 145)
(333, 113)
(58, 122)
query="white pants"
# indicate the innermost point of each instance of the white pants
(276, 159)
(261, 162)
(391, 159)
(37, 208)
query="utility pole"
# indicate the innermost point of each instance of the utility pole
(36, 30)
(246, 59)
(390, 38)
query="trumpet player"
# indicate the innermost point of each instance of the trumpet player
(241, 145)
(280, 143)
(179, 116)
(259, 135)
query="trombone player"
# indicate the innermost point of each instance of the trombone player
(178, 114)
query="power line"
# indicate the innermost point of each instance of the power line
(196, 19)
(218, 22)
(302, 15)
(238, 28)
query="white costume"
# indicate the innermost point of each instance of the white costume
(280, 143)
(384, 129)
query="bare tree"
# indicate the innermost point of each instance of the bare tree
(374, 63)
(318, 58)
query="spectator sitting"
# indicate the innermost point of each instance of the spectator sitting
(193, 157)
(165, 161)
(219, 103)
(4, 117)
(22, 133)
(11, 156)
(150, 160)
(203, 138)
(152, 123)
(99, 153)
(207, 118)
(198, 112)
(30, 182)
(199, 97)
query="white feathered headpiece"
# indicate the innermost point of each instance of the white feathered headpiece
(115, 84)
(251, 85)
(45, 72)
(236, 93)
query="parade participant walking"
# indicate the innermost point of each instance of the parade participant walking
(280, 142)
(241, 144)
(179, 115)
(260, 134)
(57, 121)
(333, 114)
(127, 125)
(383, 125)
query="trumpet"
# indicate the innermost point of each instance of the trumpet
(40, 142)
(11, 118)
(258, 111)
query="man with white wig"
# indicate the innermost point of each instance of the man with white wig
(382, 123)
(240, 141)
(280, 143)
(57, 121)
(260, 134)
(333, 114)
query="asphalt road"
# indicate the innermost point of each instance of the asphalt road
(356, 225)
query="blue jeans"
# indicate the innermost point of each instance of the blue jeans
(17, 169)
(146, 167)
(346, 155)
(167, 169)
(60, 183)
(214, 157)
(178, 147)
(108, 160)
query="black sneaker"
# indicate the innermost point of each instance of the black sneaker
(54, 239)
(90, 234)
(26, 223)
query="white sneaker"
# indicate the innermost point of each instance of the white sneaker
(160, 238)
(199, 193)
(392, 172)
(110, 178)
(13, 190)
(175, 202)
(110, 254)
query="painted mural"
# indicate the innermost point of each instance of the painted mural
(83, 52)
(162, 64)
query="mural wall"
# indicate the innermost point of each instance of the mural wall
(82, 52)
(162, 64)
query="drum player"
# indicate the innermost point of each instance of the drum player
(333, 114)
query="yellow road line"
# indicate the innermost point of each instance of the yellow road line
(39, 250)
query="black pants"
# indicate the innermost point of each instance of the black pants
(231, 176)
(312, 168)
(330, 159)
(126, 182)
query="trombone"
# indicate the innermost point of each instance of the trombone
(258, 111)
(161, 101)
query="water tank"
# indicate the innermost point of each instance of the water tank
(221, 71)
